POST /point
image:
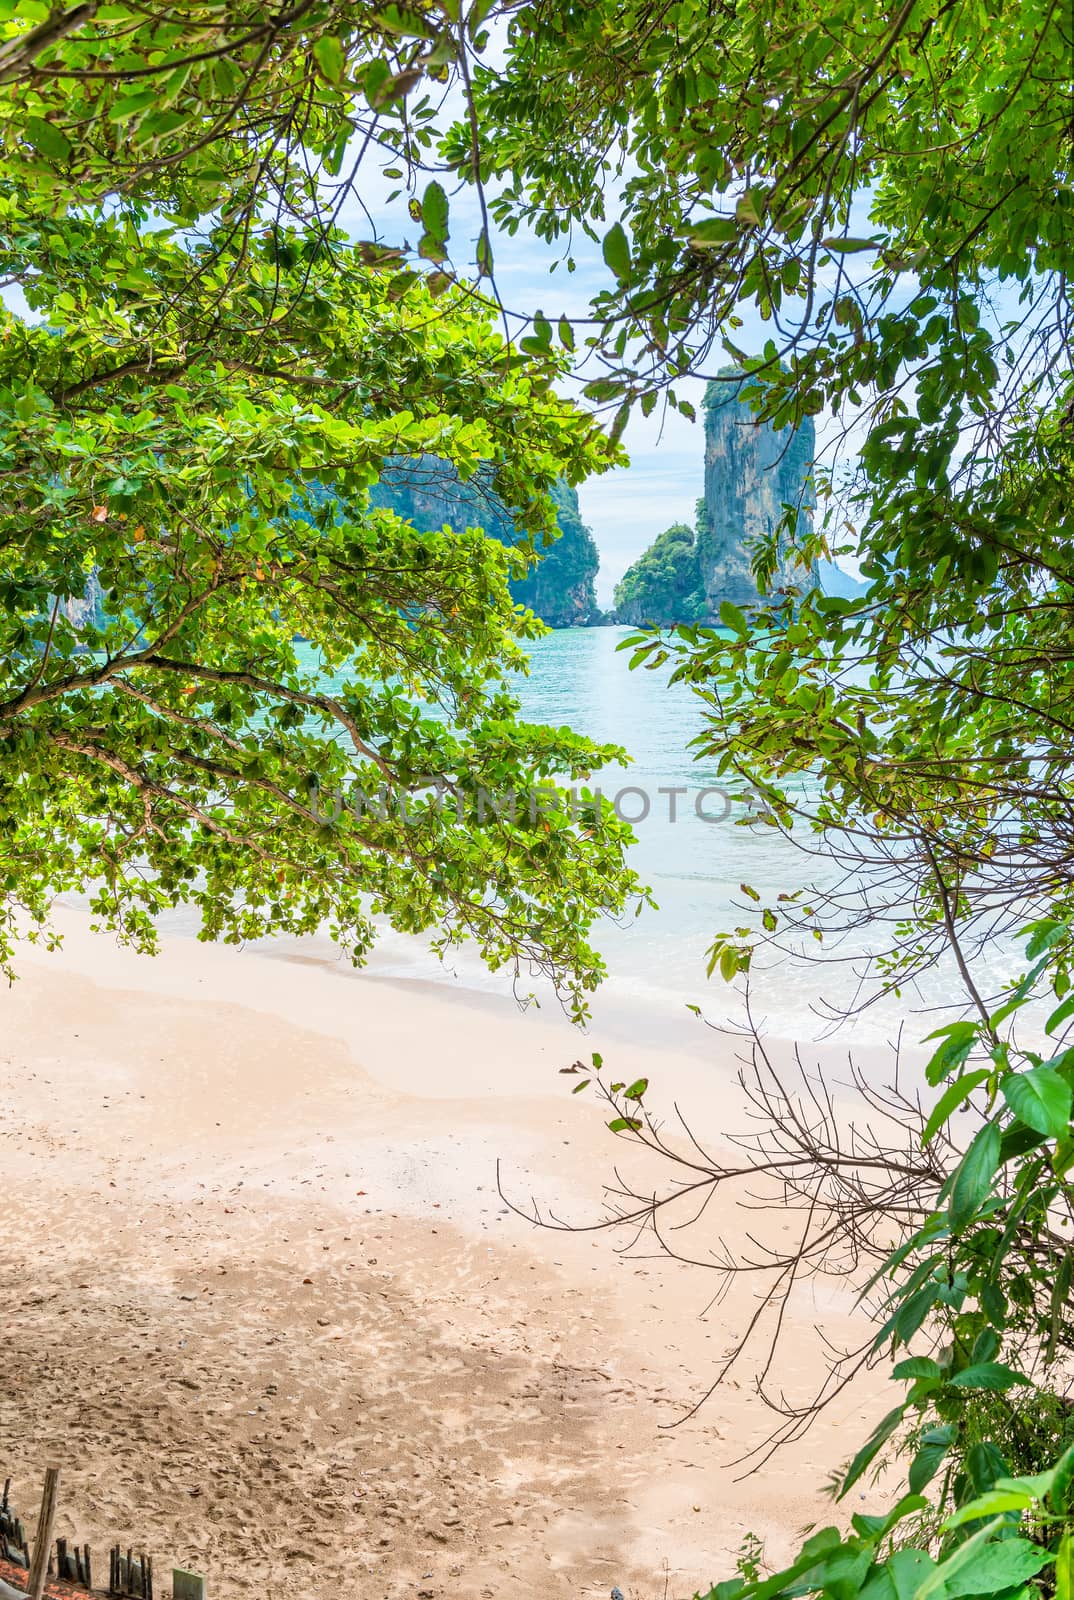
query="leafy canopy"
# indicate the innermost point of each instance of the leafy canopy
(285, 707)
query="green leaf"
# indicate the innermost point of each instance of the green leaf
(402, 20)
(328, 54)
(748, 209)
(602, 389)
(713, 231)
(992, 1569)
(625, 1125)
(973, 1178)
(988, 1375)
(993, 1304)
(959, 1039)
(431, 247)
(1059, 1495)
(928, 1460)
(908, 1570)
(914, 1310)
(985, 1464)
(873, 1527)
(872, 1448)
(732, 617)
(377, 82)
(130, 105)
(990, 1504)
(917, 1367)
(434, 211)
(1041, 1099)
(637, 1089)
(951, 1099)
(849, 247)
(46, 137)
(1037, 1484)
(986, 1345)
(1060, 1014)
(566, 334)
(1044, 935)
(1019, 1141)
(616, 251)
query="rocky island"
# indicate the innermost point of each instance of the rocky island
(559, 588)
(752, 473)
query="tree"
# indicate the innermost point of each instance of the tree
(293, 710)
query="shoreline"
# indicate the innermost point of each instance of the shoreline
(267, 1300)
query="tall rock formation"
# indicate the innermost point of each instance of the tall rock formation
(752, 471)
(559, 588)
(87, 608)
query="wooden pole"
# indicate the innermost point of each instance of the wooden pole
(43, 1542)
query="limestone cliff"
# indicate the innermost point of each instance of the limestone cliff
(752, 471)
(559, 588)
(88, 608)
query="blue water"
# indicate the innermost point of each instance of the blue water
(694, 863)
(695, 868)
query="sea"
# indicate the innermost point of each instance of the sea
(695, 848)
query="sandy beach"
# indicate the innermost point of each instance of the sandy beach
(263, 1303)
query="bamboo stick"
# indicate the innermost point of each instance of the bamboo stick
(43, 1541)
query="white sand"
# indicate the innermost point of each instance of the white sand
(262, 1301)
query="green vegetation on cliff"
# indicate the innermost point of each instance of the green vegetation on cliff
(665, 585)
(557, 582)
(560, 587)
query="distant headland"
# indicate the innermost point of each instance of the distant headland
(752, 471)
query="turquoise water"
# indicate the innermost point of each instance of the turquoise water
(694, 863)
(695, 867)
